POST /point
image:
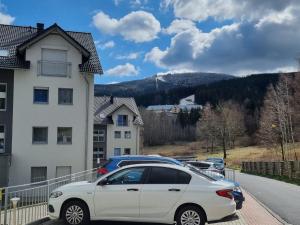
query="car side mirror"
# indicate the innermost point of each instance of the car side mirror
(103, 182)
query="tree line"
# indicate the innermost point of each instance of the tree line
(271, 117)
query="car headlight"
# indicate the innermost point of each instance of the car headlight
(237, 189)
(55, 194)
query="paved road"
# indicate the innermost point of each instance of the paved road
(282, 198)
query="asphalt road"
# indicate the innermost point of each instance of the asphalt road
(282, 198)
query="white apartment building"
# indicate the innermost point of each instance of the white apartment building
(117, 128)
(46, 102)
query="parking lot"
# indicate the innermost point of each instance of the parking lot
(252, 213)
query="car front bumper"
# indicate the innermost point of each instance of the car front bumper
(54, 208)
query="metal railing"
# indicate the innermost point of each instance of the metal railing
(26, 203)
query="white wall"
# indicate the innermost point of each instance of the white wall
(122, 143)
(27, 115)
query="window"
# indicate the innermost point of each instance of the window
(41, 95)
(117, 134)
(122, 120)
(127, 151)
(64, 135)
(98, 153)
(160, 175)
(38, 174)
(40, 135)
(2, 139)
(127, 134)
(54, 63)
(65, 96)
(99, 135)
(127, 176)
(117, 151)
(63, 171)
(3, 91)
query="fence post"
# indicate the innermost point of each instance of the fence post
(15, 203)
(5, 205)
(48, 192)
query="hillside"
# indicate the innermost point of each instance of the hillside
(158, 83)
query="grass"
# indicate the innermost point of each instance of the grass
(235, 157)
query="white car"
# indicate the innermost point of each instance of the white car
(158, 193)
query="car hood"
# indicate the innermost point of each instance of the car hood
(81, 184)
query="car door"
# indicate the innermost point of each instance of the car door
(120, 196)
(163, 188)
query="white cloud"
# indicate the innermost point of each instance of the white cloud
(264, 37)
(109, 44)
(179, 25)
(123, 70)
(132, 55)
(6, 18)
(137, 26)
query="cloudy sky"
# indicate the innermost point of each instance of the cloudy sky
(139, 38)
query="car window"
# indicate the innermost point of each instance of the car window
(161, 175)
(127, 176)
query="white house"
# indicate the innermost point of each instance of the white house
(117, 127)
(46, 102)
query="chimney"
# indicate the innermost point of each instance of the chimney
(40, 27)
(112, 99)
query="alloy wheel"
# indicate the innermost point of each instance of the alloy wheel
(74, 214)
(190, 217)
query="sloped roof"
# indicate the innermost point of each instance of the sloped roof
(15, 38)
(103, 108)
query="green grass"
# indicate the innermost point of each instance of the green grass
(277, 177)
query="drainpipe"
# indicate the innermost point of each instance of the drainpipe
(87, 102)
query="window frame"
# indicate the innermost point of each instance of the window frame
(117, 131)
(5, 99)
(64, 143)
(4, 138)
(48, 95)
(127, 131)
(98, 135)
(120, 151)
(58, 96)
(122, 123)
(31, 178)
(47, 137)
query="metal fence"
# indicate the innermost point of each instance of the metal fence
(23, 204)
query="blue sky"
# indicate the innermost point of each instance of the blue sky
(139, 38)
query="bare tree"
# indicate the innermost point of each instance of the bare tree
(276, 125)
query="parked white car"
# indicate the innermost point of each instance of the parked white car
(159, 193)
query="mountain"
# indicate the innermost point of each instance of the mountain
(158, 83)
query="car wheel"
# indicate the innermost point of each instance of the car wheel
(75, 213)
(190, 215)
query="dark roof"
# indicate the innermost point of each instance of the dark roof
(15, 39)
(103, 109)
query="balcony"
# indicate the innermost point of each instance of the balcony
(54, 68)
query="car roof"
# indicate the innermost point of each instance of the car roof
(200, 161)
(172, 166)
(144, 157)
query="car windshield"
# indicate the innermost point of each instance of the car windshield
(199, 172)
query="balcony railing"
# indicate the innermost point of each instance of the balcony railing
(54, 68)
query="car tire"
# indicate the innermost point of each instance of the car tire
(76, 213)
(190, 215)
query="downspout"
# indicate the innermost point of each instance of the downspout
(87, 102)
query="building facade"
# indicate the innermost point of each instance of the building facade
(49, 97)
(117, 128)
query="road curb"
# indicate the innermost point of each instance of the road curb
(275, 215)
(39, 221)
